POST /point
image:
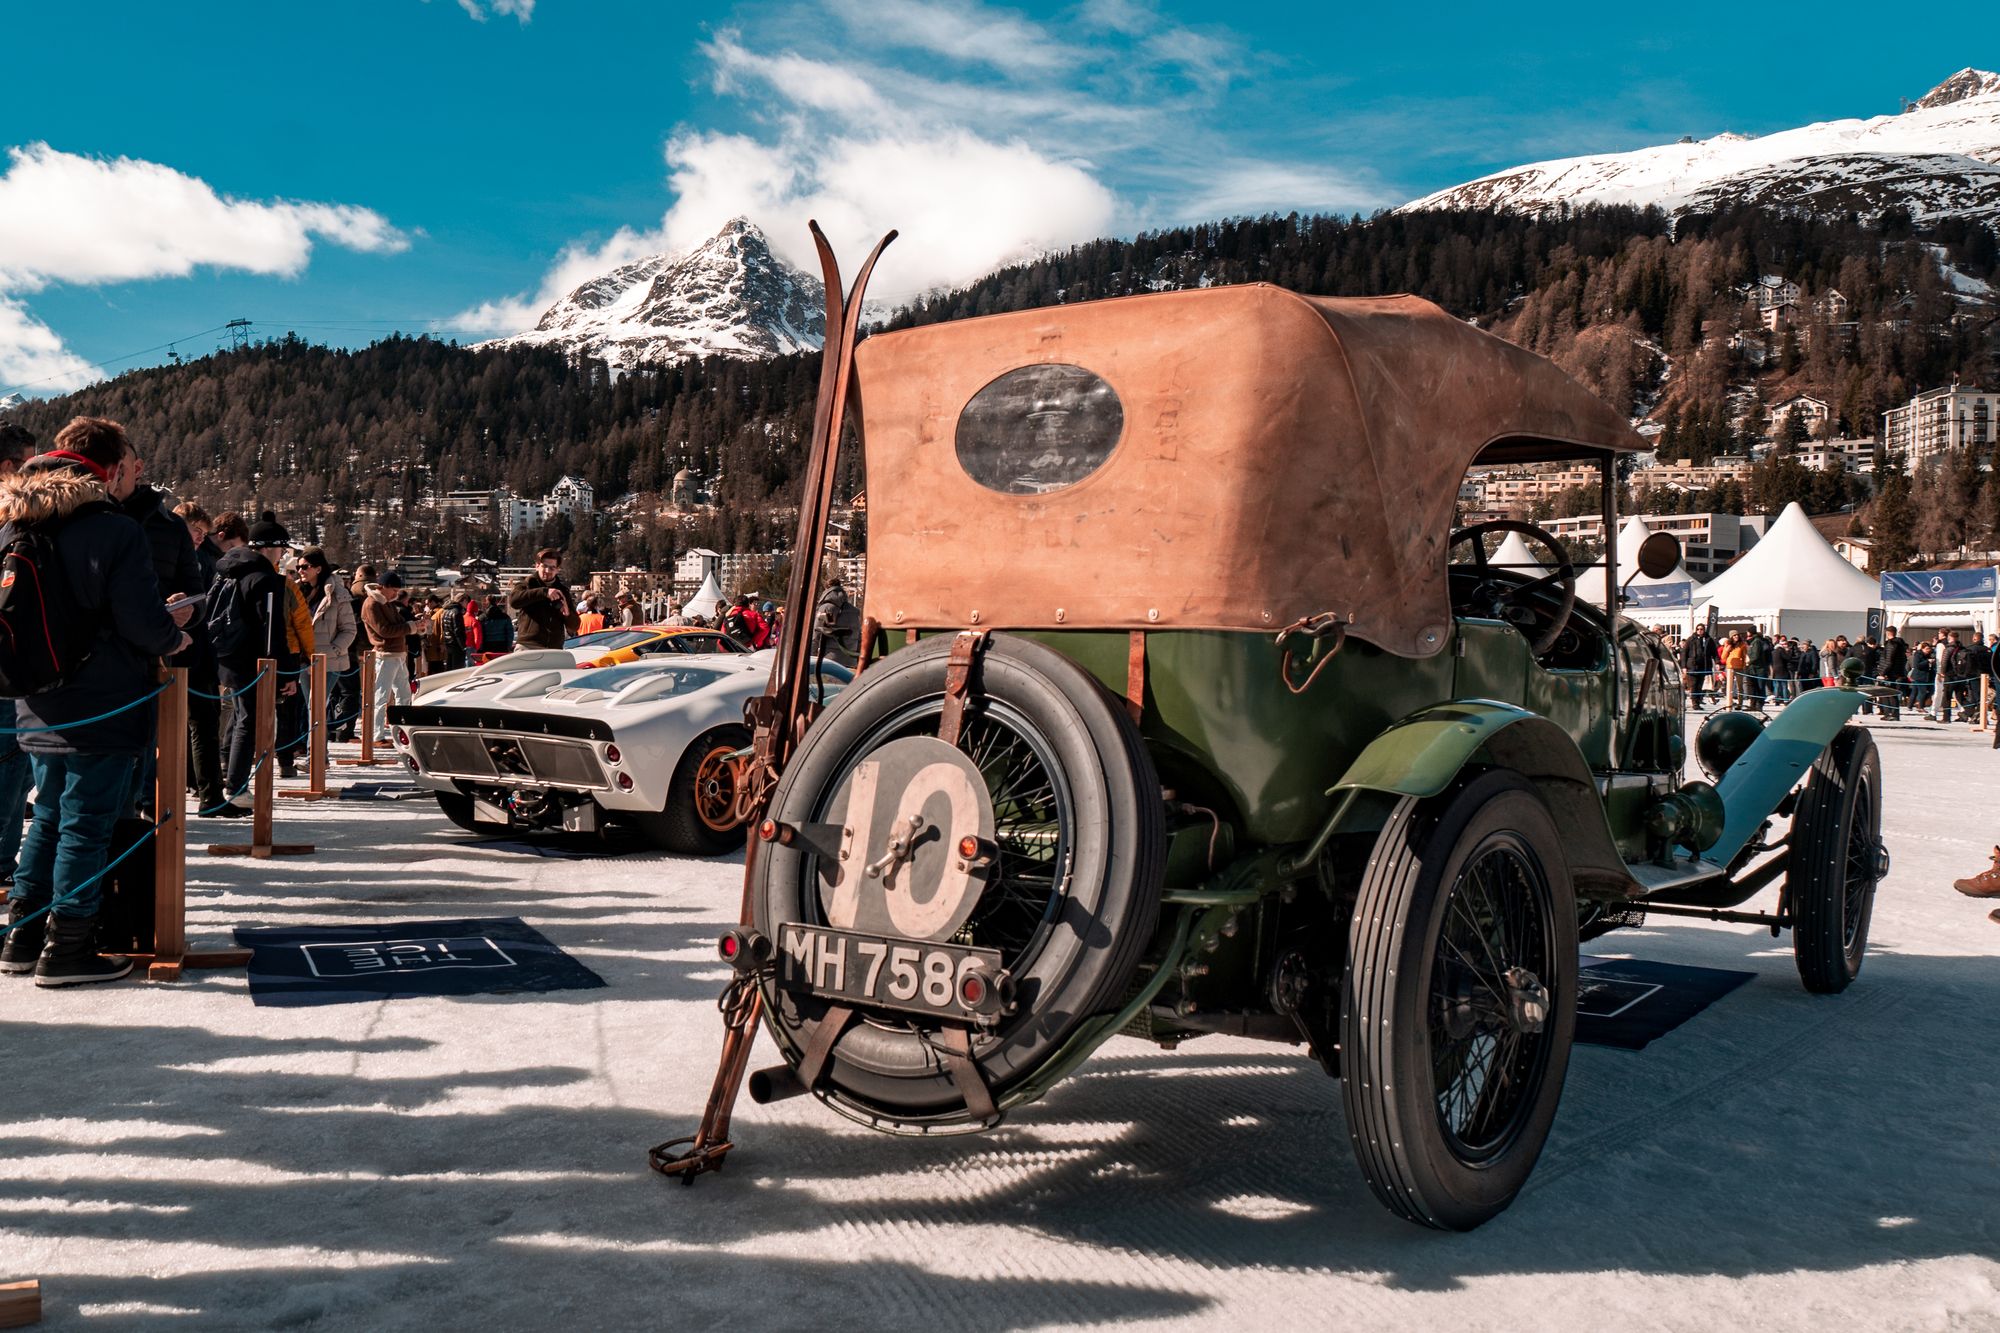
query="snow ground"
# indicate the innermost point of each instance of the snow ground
(171, 1156)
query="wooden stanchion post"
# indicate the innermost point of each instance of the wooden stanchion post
(260, 845)
(367, 718)
(170, 953)
(317, 709)
(20, 1304)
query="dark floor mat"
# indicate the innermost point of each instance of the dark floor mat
(292, 966)
(1628, 1002)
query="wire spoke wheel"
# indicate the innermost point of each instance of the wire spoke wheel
(1460, 1001)
(1494, 941)
(1070, 901)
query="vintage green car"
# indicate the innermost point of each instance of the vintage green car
(1185, 711)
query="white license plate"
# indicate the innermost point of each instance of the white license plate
(915, 976)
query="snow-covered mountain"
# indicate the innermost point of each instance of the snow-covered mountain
(8, 402)
(1939, 157)
(730, 296)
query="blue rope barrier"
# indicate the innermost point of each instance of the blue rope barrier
(233, 694)
(88, 721)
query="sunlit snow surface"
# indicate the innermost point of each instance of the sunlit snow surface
(1935, 160)
(171, 1156)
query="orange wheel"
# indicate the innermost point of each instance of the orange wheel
(716, 782)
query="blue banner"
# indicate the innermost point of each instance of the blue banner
(1940, 585)
(1658, 596)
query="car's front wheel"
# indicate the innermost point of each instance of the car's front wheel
(1460, 1001)
(1836, 861)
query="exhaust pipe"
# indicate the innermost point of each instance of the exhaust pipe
(775, 1084)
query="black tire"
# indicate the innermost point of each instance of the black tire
(1836, 862)
(695, 822)
(457, 807)
(1440, 866)
(1076, 894)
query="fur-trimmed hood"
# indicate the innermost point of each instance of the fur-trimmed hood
(45, 490)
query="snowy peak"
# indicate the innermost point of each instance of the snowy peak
(729, 296)
(1966, 83)
(1938, 158)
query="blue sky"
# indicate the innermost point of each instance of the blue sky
(344, 170)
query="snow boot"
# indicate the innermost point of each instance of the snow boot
(1985, 884)
(71, 957)
(23, 944)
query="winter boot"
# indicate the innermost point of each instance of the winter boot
(71, 957)
(1985, 884)
(23, 944)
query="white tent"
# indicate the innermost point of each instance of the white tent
(1793, 582)
(706, 600)
(1513, 554)
(1668, 600)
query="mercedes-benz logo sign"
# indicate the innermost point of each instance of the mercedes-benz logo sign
(1937, 584)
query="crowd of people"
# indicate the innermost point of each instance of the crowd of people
(136, 580)
(1940, 672)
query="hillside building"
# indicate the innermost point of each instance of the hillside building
(1942, 421)
(1682, 475)
(1709, 542)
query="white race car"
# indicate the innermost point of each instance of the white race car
(655, 744)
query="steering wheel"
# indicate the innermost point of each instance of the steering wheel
(1507, 598)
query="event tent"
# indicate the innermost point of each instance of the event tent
(706, 601)
(1514, 554)
(1668, 600)
(1793, 582)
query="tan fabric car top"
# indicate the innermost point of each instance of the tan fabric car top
(1270, 457)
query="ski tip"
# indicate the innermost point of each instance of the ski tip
(812, 225)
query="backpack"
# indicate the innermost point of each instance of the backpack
(42, 639)
(229, 627)
(737, 626)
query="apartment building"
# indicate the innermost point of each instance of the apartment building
(1942, 421)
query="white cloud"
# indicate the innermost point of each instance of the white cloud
(65, 218)
(962, 30)
(519, 9)
(1001, 138)
(32, 355)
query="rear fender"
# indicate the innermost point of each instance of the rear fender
(1775, 762)
(1424, 753)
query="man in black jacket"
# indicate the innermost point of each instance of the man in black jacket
(543, 606)
(82, 762)
(1697, 660)
(248, 571)
(178, 573)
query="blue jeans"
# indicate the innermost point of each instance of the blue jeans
(78, 798)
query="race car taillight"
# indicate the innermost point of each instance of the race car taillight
(613, 755)
(624, 782)
(402, 737)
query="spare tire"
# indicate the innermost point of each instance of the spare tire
(1071, 902)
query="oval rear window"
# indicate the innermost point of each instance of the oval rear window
(1039, 428)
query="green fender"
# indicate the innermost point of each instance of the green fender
(1774, 763)
(1425, 752)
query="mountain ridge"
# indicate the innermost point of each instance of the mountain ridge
(730, 296)
(1938, 158)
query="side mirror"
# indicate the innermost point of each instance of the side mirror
(1659, 555)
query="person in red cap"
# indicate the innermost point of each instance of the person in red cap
(81, 761)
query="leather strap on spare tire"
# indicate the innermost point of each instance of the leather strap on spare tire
(958, 682)
(1070, 903)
